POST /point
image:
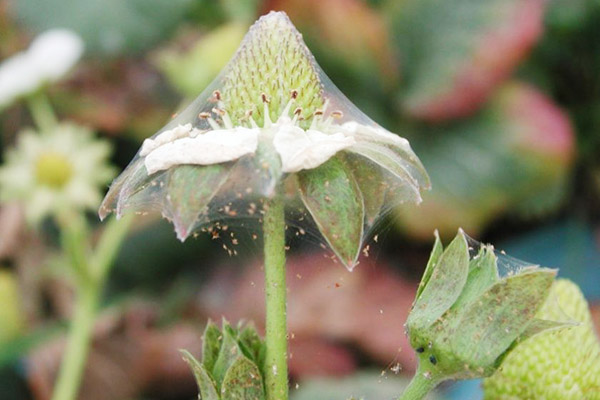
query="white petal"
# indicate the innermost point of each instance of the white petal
(55, 52)
(212, 147)
(164, 138)
(306, 150)
(50, 56)
(17, 78)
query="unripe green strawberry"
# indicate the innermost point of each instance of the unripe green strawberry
(554, 365)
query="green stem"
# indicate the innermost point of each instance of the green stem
(75, 356)
(422, 383)
(74, 239)
(91, 278)
(41, 111)
(108, 246)
(275, 367)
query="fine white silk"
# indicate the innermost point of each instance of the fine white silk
(165, 137)
(212, 147)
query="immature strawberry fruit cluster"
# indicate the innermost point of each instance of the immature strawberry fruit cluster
(563, 364)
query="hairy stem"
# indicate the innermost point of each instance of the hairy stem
(275, 367)
(422, 383)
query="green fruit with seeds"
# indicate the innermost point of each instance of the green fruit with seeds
(554, 365)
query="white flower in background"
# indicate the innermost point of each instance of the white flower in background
(49, 57)
(63, 169)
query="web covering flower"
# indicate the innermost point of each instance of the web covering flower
(272, 122)
(61, 169)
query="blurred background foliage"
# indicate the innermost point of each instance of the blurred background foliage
(499, 98)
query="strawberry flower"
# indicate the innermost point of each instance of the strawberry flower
(272, 119)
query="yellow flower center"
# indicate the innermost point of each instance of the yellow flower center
(53, 169)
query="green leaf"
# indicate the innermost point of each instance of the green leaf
(490, 325)
(446, 283)
(483, 273)
(206, 385)
(190, 189)
(243, 381)
(108, 27)
(333, 198)
(228, 353)
(455, 53)
(211, 344)
(513, 170)
(436, 253)
(14, 350)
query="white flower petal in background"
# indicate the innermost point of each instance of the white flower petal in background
(55, 52)
(212, 147)
(17, 78)
(50, 56)
(65, 168)
(301, 149)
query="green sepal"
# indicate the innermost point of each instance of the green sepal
(372, 184)
(400, 177)
(231, 365)
(211, 344)
(250, 343)
(190, 189)
(445, 284)
(436, 253)
(206, 385)
(228, 353)
(331, 195)
(537, 326)
(242, 381)
(127, 191)
(483, 273)
(490, 325)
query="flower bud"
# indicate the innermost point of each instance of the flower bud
(466, 317)
(230, 364)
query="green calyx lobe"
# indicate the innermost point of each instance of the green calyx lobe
(333, 198)
(272, 65)
(466, 318)
(230, 364)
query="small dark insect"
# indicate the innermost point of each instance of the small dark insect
(420, 350)
(433, 360)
